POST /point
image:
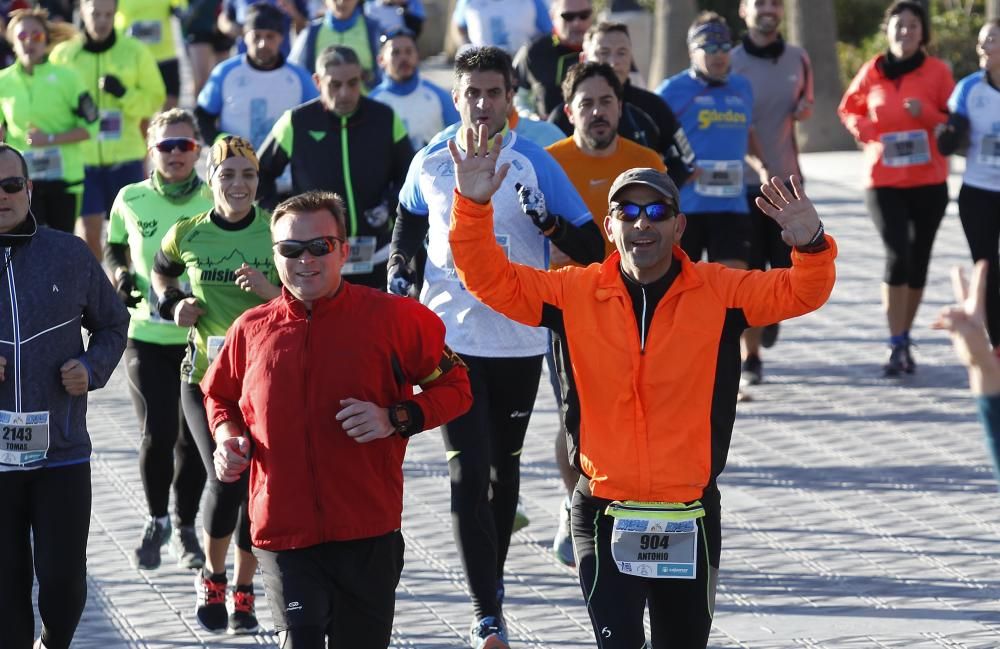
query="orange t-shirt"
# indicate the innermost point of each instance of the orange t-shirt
(592, 175)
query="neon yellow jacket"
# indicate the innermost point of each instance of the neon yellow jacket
(149, 21)
(54, 100)
(119, 137)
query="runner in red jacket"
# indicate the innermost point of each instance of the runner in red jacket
(314, 392)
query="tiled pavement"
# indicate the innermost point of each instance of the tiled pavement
(858, 511)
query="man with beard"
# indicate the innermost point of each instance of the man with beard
(247, 94)
(781, 77)
(424, 107)
(646, 118)
(541, 65)
(592, 157)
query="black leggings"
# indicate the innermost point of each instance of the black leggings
(54, 205)
(907, 220)
(680, 610)
(980, 212)
(167, 452)
(224, 502)
(484, 460)
(51, 506)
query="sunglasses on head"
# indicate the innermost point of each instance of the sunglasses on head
(318, 247)
(656, 211)
(13, 185)
(570, 16)
(394, 33)
(715, 48)
(182, 144)
(31, 37)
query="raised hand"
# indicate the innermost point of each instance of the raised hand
(793, 211)
(966, 320)
(476, 175)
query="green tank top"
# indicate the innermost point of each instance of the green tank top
(356, 38)
(140, 217)
(211, 256)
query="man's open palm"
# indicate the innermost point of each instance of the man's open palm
(476, 174)
(792, 210)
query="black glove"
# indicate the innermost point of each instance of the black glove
(110, 84)
(533, 205)
(125, 287)
(400, 277)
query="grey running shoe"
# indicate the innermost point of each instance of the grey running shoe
(154, 537)
(185, 546)
(562, 543)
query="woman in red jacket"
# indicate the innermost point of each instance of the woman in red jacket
(892, 107)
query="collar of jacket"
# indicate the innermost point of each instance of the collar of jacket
(401, 87)
(338, 25)
(506, 133)
(21, 234)
(323, 305)
(96, 47)
(611, 286)
(770, 51)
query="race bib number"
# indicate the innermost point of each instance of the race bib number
(214, 346)
(905, 149)
(655, 540)
(989, 150)
(449, 264)
(720, 178)
(110, 126)
(149, 32)
(24, 437)
(44, 164)
(362, 256)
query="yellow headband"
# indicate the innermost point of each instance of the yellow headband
(231, 146)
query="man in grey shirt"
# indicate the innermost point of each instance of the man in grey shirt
(781, 77)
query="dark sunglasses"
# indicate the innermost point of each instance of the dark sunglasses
(570, 16)
(715, 48)
(318, 247)
(182, 144)
(656, 211)
(13, 185)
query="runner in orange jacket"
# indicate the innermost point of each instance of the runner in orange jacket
(657, 400)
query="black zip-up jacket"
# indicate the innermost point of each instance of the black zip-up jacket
(373, 143)
(541, 67)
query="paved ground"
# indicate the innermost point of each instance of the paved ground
(858, 511)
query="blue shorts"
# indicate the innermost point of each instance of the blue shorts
(102, 184)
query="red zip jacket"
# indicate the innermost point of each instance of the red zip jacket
(873, 107)
(655, 420)
(282, 373)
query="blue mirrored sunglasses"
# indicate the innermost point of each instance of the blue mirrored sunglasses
(656, 211)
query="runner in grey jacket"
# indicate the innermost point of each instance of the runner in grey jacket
(51, 286)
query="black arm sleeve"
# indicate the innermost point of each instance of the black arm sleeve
(166, 266)
(408, 234)
(208, 124)
(584, 244)
(954, 137)
(117, 254)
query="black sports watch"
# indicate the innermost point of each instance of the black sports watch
(399, 417)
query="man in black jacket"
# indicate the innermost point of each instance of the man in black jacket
(345, 143)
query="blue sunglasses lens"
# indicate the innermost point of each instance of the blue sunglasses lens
(714, 48)
(655, 212)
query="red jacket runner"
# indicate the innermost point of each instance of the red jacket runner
(281, 375)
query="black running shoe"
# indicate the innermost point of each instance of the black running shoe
(154, 537)
(900, 361)
(752, 372)
(243, 619)
(185, 546)
(210, 608)
(770, 335)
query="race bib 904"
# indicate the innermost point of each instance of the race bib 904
(655, 540)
